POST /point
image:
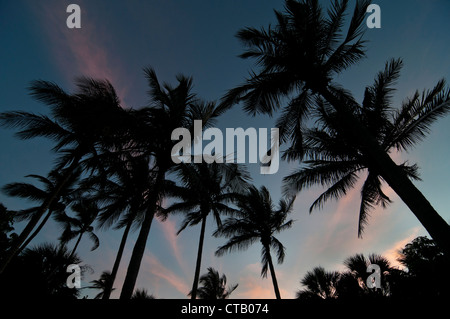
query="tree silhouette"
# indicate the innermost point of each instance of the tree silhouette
(258, 219)
(206, 188)
(171, 108)
(86, 211)
(320, 284)
(298, 59)
(103, 284)
(337, 162)
(82, 125)
(213, 286)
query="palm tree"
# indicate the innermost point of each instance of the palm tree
(337, 163)
(40, 273)
(258, 219)
(122, 198)
(357, 268)
(171, 108)
(102, 284)
(213, 286)
(86, 211)
(301, 55)
(81, 125)
(29, 191)
(320, 284)
(207, 188)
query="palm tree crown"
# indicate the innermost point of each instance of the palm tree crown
(257, 219)
(336, 162)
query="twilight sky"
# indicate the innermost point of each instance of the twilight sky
(196, 38)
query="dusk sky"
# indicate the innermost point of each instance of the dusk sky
(197, 38)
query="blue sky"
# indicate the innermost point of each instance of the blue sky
(196, 38)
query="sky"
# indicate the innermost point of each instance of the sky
(118, 39)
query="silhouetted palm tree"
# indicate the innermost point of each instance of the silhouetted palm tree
(300, 56)
(102, 284)
(171, 108)
(29, 191)
(80, 124)
(320, 284)
(206, 188)
(86, 211)
(213, 286)
(336, 162)
(357, 268)
(40, 273)
(258, 219)
(142, 294)
(123, 201)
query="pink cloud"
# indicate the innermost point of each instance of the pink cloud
(79, 51)
(169, 230)
(151, 264)
(392, 253)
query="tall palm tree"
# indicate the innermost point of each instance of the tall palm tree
(29, 191)
(337, 163)
(80, 124)
(86, 211)
(103, 283)
(258, 219)
(206, 188)
(213, 286)
(123, 205)
(300, 56)
(320, 284)
(171, 108)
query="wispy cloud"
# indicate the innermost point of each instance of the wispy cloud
(151, 265)
(82, 51)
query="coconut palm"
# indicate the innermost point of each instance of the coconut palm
(319, 284)
(171, 108)
(206, 188)
(80, 124)
(298, 59)
(213, 286)
(122, 199)
(337, 163)
(86, 211)
(29, 191)
(40, 273)
(103, 284)
(258, 219)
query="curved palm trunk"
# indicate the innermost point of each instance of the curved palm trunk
(14, 250)
(139, 246)
(436, 226)
(272, 273)
(76, 245)
(199, 259)
(35, 232)
(108, 288)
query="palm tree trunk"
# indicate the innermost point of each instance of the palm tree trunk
(272, 273)
(436, 226)
(76, 245)
(199, 259)
(108, 288)
(13, 251)
(35, 232)
(139, 246)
